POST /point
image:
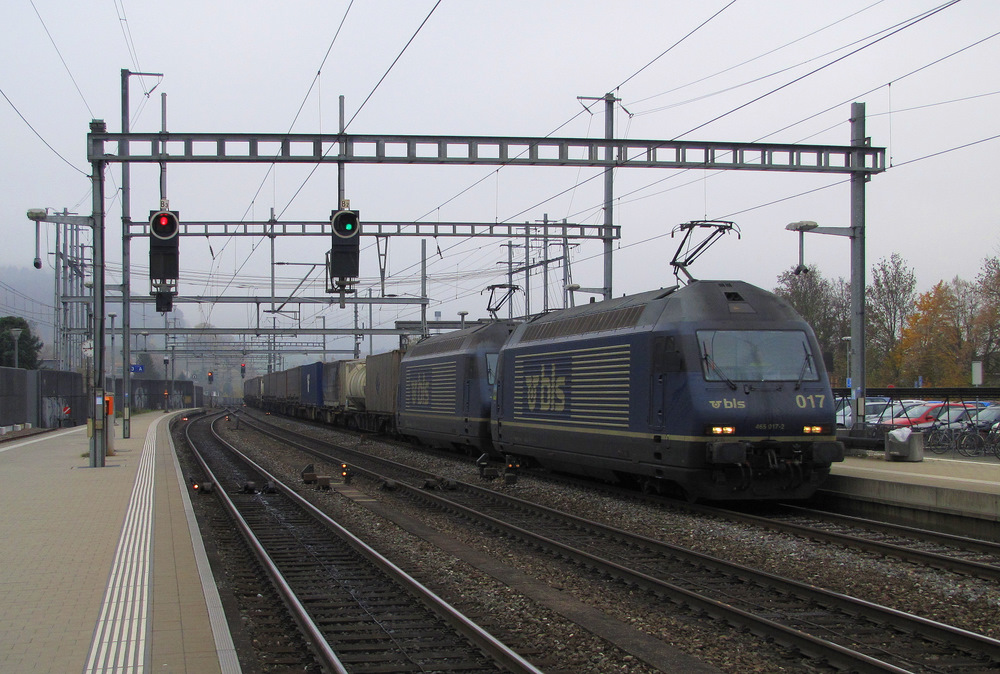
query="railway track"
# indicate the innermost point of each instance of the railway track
(961, 554)
(848, 633)
(359, 611)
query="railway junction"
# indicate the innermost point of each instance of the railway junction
(103, 569)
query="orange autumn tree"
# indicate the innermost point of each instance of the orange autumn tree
(932, 344)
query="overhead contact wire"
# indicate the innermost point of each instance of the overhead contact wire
(910, 24)
(674, 45)
(34, 131)
(367, 98)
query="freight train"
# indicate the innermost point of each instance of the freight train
(711, 391)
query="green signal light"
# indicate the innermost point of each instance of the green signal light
(348, 226)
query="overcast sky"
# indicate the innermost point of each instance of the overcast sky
(764, 70)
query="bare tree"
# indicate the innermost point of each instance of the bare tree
(825, 305)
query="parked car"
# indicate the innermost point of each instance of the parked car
(926, 415)
(845, 409)
(984, 418)
(845, 414)
(897, 408)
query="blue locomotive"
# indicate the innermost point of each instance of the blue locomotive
(714, 390)
(446, 387)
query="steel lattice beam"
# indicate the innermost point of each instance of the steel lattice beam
(172, 147)
(420, 229)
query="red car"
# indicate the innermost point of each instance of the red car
(931, 413)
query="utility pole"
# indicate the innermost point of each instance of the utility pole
(99, 445)
(423, 287)
(858, 181)
(58, 327)
(567, 273)
(510, 274)
(527, 270)
(126, 270)
(127, 258)
(271, 355)
(609, 191)
(357, 337)
(545, 263)
(609, 185)
(166, 362)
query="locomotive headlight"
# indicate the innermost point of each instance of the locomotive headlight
(721, 430)
(813, 430)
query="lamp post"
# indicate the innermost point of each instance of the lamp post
(463, 314)
(856, 365)
(801, 227)
(16, 334)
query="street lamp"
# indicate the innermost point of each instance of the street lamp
(856, 369)
(801, 227)
(16, 334)
(463, 314)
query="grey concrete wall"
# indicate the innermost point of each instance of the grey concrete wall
(38, 397)
(14, 397)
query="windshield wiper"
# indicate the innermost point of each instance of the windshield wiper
(805, 364)
(712, 364)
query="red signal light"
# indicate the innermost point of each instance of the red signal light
(164, 225)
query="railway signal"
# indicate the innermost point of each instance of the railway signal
(344, 256)
(510, 470)
(243, 370)
(164, 265)
(204, 487)
(210, 375)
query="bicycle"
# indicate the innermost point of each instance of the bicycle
(992, 440)
(966, 440)
(970, 441)
(939, 440)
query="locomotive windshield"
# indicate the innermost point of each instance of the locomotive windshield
(756, 355)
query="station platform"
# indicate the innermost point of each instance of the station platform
(102, 569)
(939, 487)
